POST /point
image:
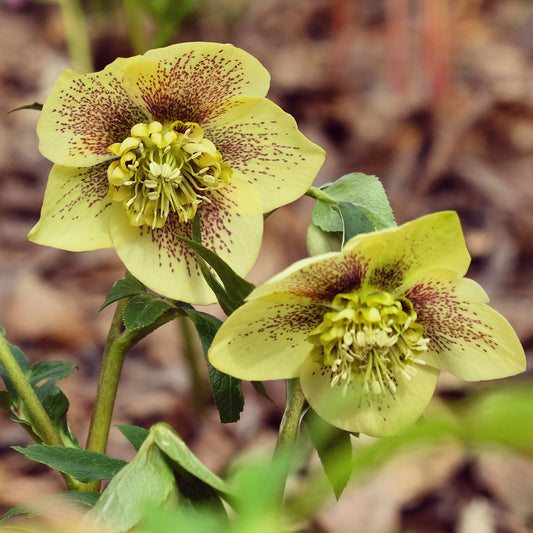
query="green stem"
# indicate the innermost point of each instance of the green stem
(192, 356)
(45, 429)
(39, 417)
(317, 194)
(76, 35)
(289, 429)
(133, 13)
(118, 343)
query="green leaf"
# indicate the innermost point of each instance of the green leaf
(135, 435)
(334, 449)
(178, 452)
(354, 221)
(227, 392)
(42, 377)
(147, 481)
(123, 288)
(87, 499)
(83, 465)
(235, 288)
(35, 106)
(355, 203)
(143, 310)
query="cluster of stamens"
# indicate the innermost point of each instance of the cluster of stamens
(369, 337)
(164, 169)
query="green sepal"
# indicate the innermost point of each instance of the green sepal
(123, 288)
(83, 465)
(334, 450)
(135, 434)
(42, 377)
(143, 310)
(227, 392)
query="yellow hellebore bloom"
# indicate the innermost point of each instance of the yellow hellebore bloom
(368, 329)
(143, 145)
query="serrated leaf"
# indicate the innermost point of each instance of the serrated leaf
(366, 192)
(83, 465)
(334, 449)
(123, 288)
(42, 377)
(135, 435)
(355, 203)
(147, 481)
(354, 221)
(227, 392)
(143, 309)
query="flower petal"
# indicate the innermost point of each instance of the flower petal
(86, 113)
(263, 143)
(162, 261)
(378, 415)
(318, 278)
(265, 339)
(397, 255)
(194, 81)
(76, 210)
(467, 337)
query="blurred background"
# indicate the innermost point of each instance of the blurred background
(433, 96)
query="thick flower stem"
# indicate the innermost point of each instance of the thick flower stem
(119, 342)
(45, 429)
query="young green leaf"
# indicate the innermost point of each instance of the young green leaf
(123, 288)
(227, 392)
(235, 288)
(146, 482)
(83, 465)
(180, 455)
(355, 203)
(143, 309)
(35, 106)
(42, 376)
(135, 435)
(334, 449)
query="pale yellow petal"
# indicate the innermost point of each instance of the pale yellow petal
(262, 142)
(395, 256)
(378, 415)
(264, 340)
(194, 81)
(467, 337)
(76, 210)
(166, 265)
(86, 113)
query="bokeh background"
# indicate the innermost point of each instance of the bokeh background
(433, 96)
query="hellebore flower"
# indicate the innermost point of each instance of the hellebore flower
(144, 145)
(368, 329)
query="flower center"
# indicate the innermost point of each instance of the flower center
(165, 169)
(369, 337)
